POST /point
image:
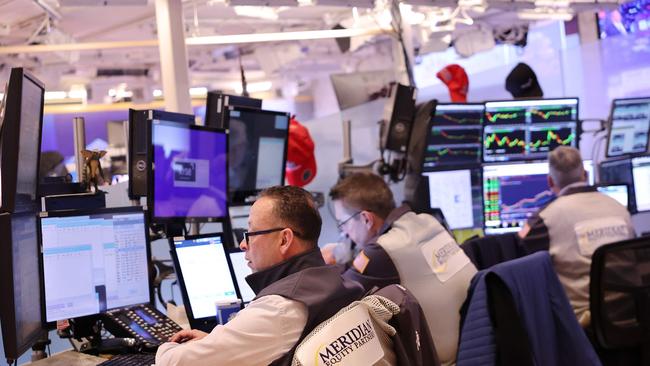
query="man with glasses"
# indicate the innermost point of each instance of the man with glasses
(295, 290)
(401, 247)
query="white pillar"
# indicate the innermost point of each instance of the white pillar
(173, 56)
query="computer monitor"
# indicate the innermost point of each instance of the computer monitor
(20, 283)
(629, 126)
(190, 166)
(257, 151)
(94, 261)
(241, 269)
(454, 136)
(619, 192)
(641, 175)
(514, 192)
(20, 142)
(204, 275)
(458, 194)
(216, 103)
(528, 129)
(618, 171)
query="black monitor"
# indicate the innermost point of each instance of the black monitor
(618, 171)
(513, 192)
(217, 103)
(241, 270)
(641, 176)
(205, 277)
(618, 191)
(190, 178)
(629, 126)
(458, 193)
(257, 151)
(20, 283)
(20, 142)
(94, 261)
(139, 145)
(454, 136)
(528, 129)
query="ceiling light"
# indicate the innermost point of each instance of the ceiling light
(261, 12)
(53, 95)
(281, 36)
(198, 92)
(552, 3)
(412, 17)
(157, 93)
(305, 2)
(545, 14)
(256, 87)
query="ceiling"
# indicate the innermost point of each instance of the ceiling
(218, 66)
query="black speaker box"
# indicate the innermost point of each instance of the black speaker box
(398, 118)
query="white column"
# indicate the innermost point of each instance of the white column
(173, 56)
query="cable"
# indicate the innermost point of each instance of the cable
(49, 353)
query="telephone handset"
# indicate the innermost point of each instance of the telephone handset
(143, 322)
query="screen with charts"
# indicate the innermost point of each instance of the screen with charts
(189, 173)
(109, 253)
(641, 174)
(619, 192)
(514, 192)
(241, 268)
(458, 194)
(528, 129)
(630, 126)
(257, 150)
(204, 273)
(454, 136)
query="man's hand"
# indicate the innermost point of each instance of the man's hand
(187, 335)
(328, 253)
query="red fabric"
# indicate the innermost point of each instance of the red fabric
(455, 77)
(301, 162)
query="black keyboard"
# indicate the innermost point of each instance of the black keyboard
(142, 322)
(131, 359)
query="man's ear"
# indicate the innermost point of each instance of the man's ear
(288, 240)
(550, 182)
(368, 219)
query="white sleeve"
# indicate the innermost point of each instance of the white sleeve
(261, 333)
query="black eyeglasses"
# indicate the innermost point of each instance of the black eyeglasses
(248, 234)
(340, 224)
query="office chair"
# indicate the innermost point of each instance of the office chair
(620, 301)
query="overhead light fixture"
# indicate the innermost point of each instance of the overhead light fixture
(552, 3)
(256, 87)
(545, 14)
(305, 2)
(54, 95)
(157, 93)
(282, 36)
(261, 12)
(198, 92)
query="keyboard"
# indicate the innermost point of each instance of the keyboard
(131, 359)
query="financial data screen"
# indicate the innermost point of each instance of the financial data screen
(454, 136)
(93, 263)
(619, 192)
(528, 129)
(630, 127)
(206, 275)
(458, 194)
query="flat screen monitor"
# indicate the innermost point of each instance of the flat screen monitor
(513, 192)
(20, 142)
(528, 129)
(241, 269)
(458, 194)
(619, 192)
(20, 283)
(190, 168)
(94, 261)
(641, 175)
(629, 127)
(358, 88)
(257, 151)
(618, 171)
(454, 136)
(217, 103)
(204, 274)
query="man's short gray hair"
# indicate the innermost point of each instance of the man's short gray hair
(565, 166)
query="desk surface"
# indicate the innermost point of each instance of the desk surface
(69, 358)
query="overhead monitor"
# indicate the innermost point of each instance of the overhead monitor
(257, 151)
(619, 192)
(528, 129)
(20, 284)
(242, 270)
(189, 173)
(641, 174)
(618, 171)
(513, 192)
(458, 194)
(358, 88)
(94, 261)
(216, 103)
(20, 142)
(205, 277)
(454, 136)
(629, 127)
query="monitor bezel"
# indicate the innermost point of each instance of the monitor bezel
(230, 251)
(627, 186)
(430, 126)
(7, 284)
(627, 160)
(151, 180)
(243, 197)
(644, 156)
(523, 100)
(71, 213)
(10, 138)
(610, 121)
(209, 321)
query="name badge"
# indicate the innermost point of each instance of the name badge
(592, 234)
(348, 340)
(444, 256)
